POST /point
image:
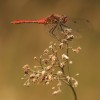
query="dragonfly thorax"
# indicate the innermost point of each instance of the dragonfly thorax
(55, 19)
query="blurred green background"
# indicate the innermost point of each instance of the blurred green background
(20, 43)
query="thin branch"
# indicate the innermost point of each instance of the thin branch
(74, 92)
(67, 52)
(72, 88)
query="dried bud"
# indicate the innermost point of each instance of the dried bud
(50, 78)
(70, 37)
(55, 44)
(68, 30)
(59, 73)
(43, 72)
(50, 56)
(56, 92)
(61, 45)
(37, 75)
(22, 78)
(37, 66)
(70, 62)
(32, 75)
(59, 84)
(51, 47)
(27, 83)
(64, 56)
(53, 59)
(35, 58)
(34, 80)
(46, 51)
(77, 74)
(48, 67)
(77, 49)
(53, 88)
(26, 68)
(62, 64)
(47, 82)
(46, 61)
(75, 82)
(41, 57)
(68, 78)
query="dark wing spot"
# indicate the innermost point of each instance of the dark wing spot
(75, 21)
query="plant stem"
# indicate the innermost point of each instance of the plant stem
(69, 83)
(72, 88)
(67, 53)
(74, 92)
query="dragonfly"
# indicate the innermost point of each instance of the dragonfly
(56, 22)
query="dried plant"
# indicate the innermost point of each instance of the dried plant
(54, 64)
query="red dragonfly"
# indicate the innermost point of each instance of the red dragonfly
(59, 22)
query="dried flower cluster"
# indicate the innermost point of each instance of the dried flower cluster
(52, 65)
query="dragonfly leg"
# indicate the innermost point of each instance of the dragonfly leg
(64, 25)
(52, 29)
(61, 28)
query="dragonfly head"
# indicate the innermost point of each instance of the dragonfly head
(64, 19)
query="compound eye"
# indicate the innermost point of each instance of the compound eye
(64, 19)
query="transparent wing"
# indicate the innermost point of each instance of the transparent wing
(79, 24)
(56, 31)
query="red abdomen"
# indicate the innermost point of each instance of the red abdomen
(41, 21)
